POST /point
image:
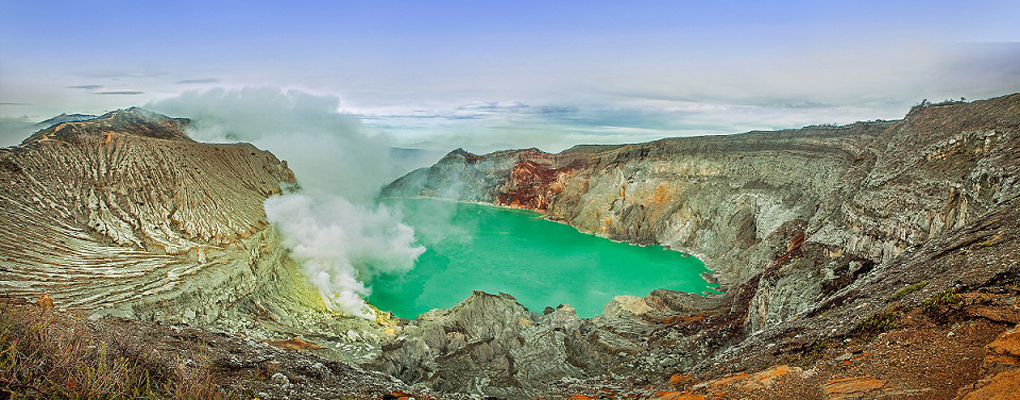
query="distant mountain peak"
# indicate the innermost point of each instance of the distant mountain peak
(63, 117)
(129, 121)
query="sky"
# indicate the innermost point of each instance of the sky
(480, 75)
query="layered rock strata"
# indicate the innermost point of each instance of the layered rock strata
(124, 214)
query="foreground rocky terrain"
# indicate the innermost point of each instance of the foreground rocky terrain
(71, 354)
(822, 237)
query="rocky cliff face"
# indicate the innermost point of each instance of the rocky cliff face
(791, 221)
(124, 214)
(846, 198)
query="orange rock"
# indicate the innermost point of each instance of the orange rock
(661, 195)
(401, 395)
(767, 377)
(730, 379)
(999, 314)
(677, 378)
(796, 243)
(852, 387)
(669, 395)
(755, 381)
(1002, 386)
(1005, 349)
(581, 398)
(45, 302)
(293, 344)
(692, 317)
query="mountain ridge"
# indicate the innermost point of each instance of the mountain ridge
(132, 120)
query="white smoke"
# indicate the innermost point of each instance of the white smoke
(339, 244)
(331, 226)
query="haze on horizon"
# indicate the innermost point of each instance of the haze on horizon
(440, 75)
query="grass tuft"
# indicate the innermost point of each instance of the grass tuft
(49, 354)
(933, 307)
(876, 324)
(904, 291)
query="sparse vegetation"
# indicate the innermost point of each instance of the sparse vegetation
(819, 347)
(48, 354)
(876, 324)
(906, 290)
(933, 307)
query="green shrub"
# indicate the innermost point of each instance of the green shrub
(933, 306)
(878, 323)
(904, 291)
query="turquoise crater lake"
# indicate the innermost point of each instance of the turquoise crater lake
(540, 262)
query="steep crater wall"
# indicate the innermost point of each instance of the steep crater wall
(125, 214)
(801, 212)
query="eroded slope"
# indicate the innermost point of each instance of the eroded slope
(125, 214)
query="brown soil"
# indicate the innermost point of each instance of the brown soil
(957, 351)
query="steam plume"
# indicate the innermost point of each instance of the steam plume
(331, 225)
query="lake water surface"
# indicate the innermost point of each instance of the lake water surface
(540, 262)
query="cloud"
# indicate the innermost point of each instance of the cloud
(116, 74)
(639, 117)
(87, 87)
(201, 80)
(841, 83)
(513, 107)
(122, 92)
(14, 104)
(769, 90)
(503, 106)
(328, 150)
(332, 225)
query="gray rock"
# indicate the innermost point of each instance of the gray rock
(279, 379)
(507, 349)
